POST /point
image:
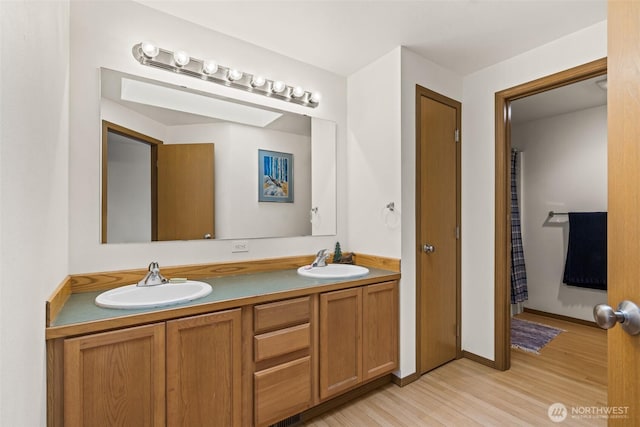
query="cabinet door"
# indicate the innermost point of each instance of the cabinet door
(204, 370)
(340, 341)
(379, 329)
(282, 391)
(115, 378)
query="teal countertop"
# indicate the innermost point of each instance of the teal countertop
(80, 307)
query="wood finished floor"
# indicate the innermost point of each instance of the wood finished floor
(572, 369)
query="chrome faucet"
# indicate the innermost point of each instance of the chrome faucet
(153, 277)
(321, 258)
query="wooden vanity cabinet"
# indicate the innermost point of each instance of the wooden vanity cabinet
(282, 356)
(252, 366)
(118, 378)
(358, 336)
(115, 378)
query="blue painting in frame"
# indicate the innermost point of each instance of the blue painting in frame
(275, 176)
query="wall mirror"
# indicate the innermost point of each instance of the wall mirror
(181, 164)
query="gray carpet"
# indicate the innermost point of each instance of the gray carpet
(531, 336)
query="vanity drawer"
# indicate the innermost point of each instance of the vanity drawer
(282, 391)
(280, 314)
(278, 343)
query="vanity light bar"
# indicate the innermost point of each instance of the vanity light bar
(179, 62)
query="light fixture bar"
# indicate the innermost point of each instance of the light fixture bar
(227, 76)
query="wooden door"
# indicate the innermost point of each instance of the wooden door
(379, 329)
(185, 191)
(438, 221)
(204, 374)
(624, 201)
(115, 378)
(340, 341)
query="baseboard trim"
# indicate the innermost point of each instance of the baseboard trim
(401, 382)
(344, 398)
(561, 317)
(479, 359)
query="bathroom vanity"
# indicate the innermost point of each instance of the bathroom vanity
(265, 345)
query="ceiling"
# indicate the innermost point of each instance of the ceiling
(343, 36)
(565, 99)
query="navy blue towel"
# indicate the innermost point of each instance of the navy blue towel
(586, 264)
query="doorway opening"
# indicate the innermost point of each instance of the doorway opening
(438, 152)
(503, 193)
(138, 178)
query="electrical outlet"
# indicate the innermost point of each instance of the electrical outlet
(240, 246)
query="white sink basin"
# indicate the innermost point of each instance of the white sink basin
(133, 296)
(333, 271)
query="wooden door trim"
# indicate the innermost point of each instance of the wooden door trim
(153, 143)
(503, 99)
(420, 92)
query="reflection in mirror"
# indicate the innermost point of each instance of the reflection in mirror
(179, 164)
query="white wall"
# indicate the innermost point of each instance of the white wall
(381, 156)
(415, 70)
(128, 190)
(238, 212)
(323, 177)
(373, 155)
(478, 169)
(102, 35)
(565, 170)
(33, 195)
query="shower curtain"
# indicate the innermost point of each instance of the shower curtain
(518, 271)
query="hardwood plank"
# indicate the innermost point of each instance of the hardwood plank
(572, 369)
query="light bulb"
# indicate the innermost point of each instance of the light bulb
(234, 74)
(149, 49)
(181, 58)
(209, 67)
(278, 86)
(258, 81)
(297, 92)
(315, 97)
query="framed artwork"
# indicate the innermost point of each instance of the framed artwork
(275, 176)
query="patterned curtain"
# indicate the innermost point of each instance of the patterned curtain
(518, 271)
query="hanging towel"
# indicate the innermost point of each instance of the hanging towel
(519, 291)
(586, 264)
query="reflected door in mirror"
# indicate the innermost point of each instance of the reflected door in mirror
(185, 191)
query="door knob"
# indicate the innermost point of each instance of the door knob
(428, 249)
(628, 315)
